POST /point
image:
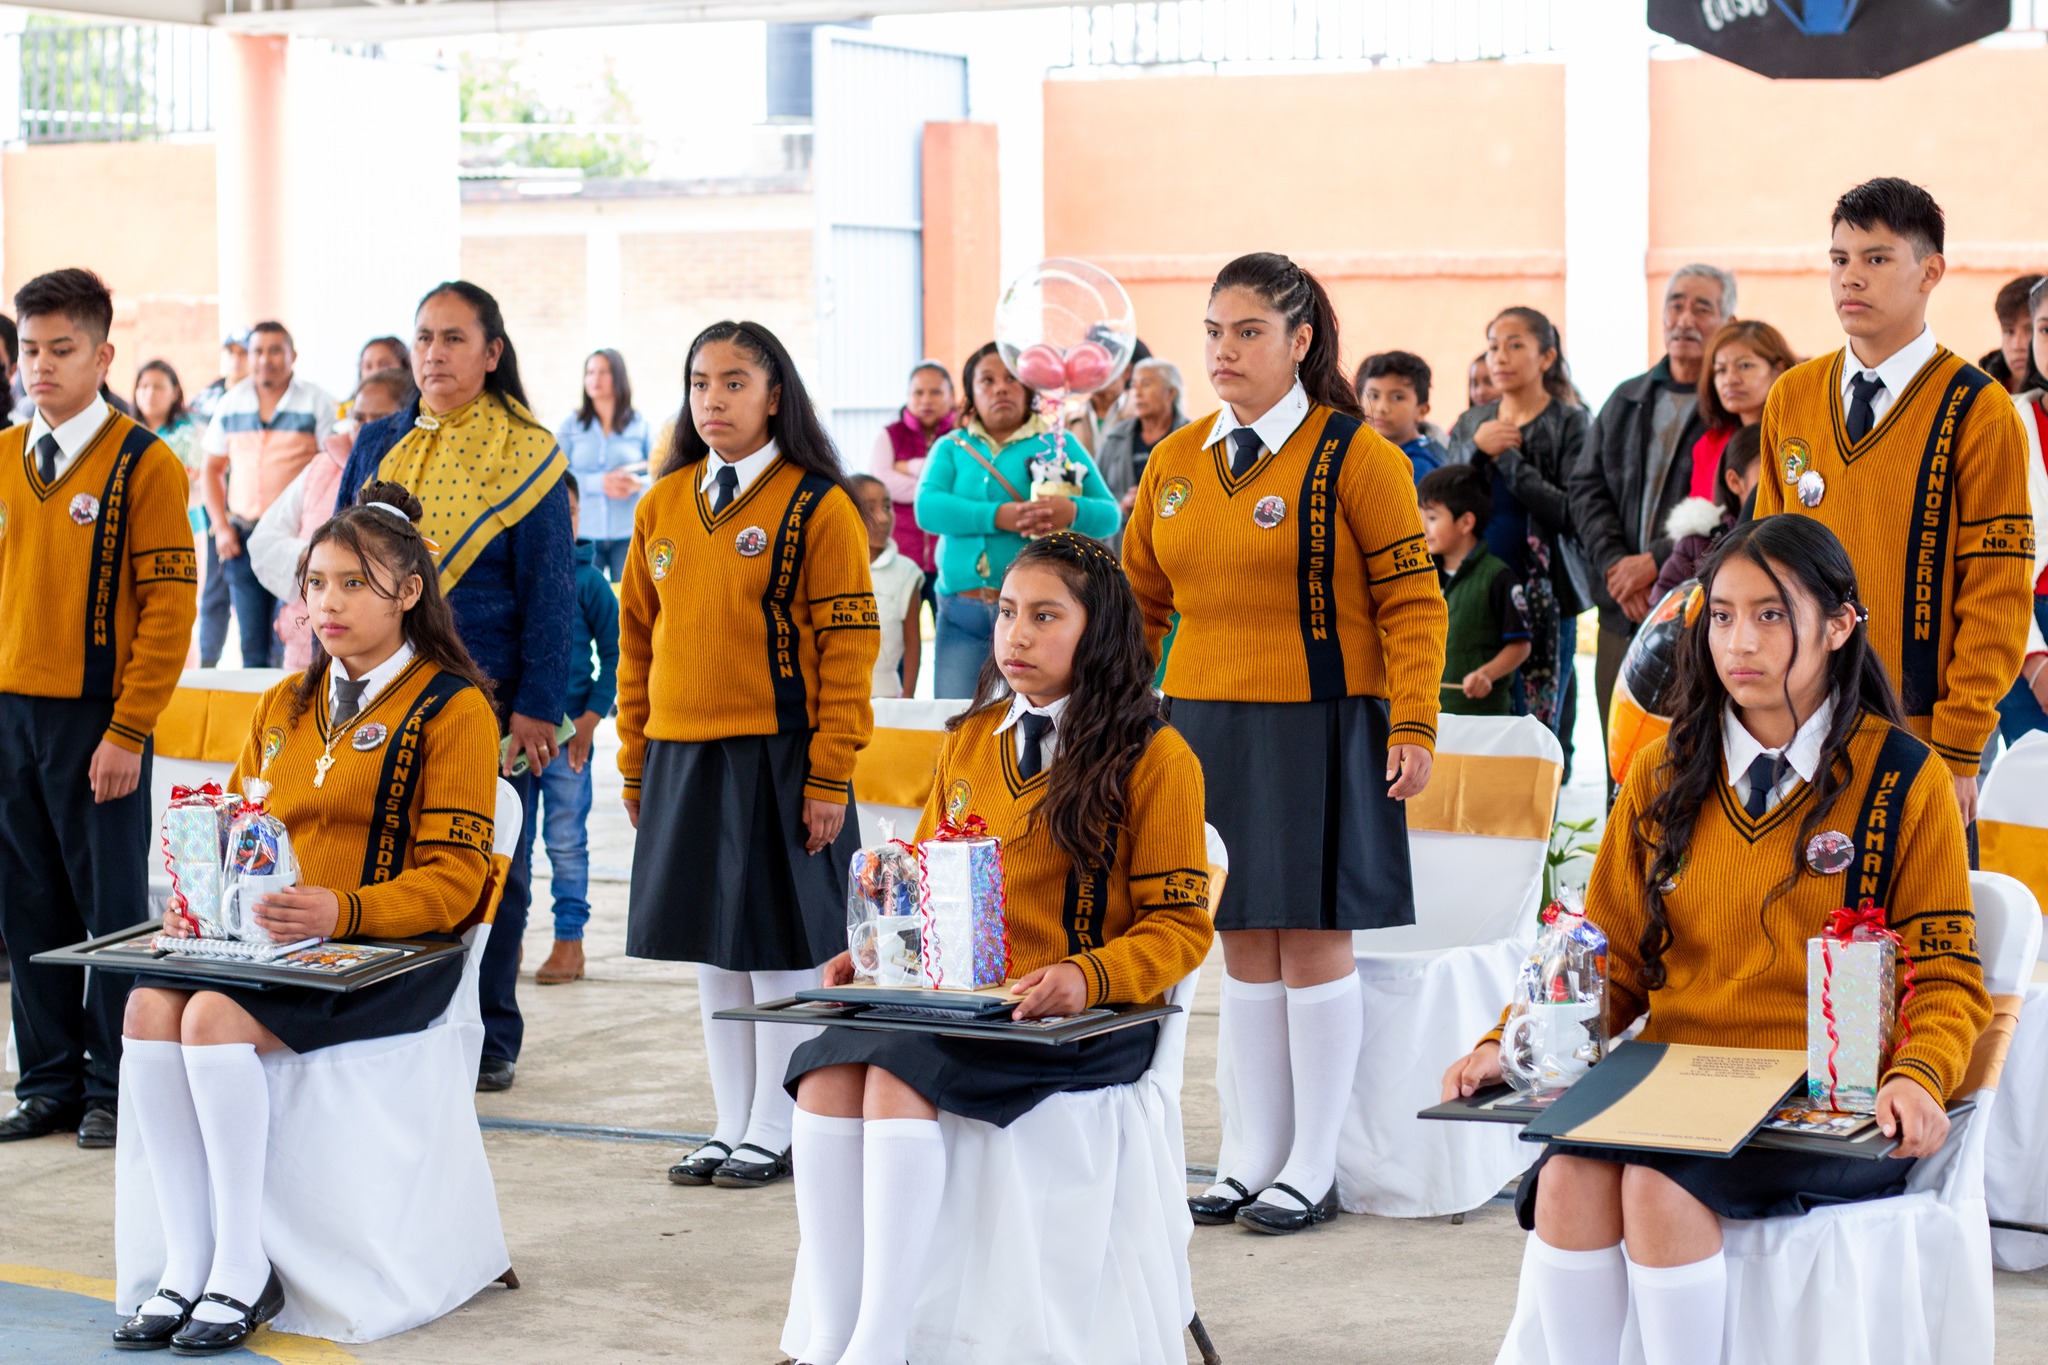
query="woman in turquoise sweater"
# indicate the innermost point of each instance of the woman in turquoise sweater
(976, 496)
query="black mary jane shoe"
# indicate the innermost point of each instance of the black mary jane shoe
(1260, 1216)
(1215, 1210)
(153, 1331)
(698, 1167)
(201, 1338)
(738, 1173)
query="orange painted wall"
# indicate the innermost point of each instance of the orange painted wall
(962, 238)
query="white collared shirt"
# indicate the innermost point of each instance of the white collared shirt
(1802, 755)
(1049, 746)
(375, 680)
(74, 435)
(1896, 370)
(1274, 427)
(748, 468)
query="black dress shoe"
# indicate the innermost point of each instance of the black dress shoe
(153, 1331)
(698, 1167)
(494, 1073)
(1214, 1210)
(1260, 1216)
(98, 1127)
(201, 1338)
(745, 1173)
(37, 1116)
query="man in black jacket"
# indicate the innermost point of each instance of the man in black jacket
(1637, 465)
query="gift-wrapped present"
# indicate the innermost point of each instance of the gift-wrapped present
(195, 890)
(964, 941)
(195, 828)
(883, 929)
(1852, 1007)
(259, 861)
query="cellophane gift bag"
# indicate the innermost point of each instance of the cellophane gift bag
(883, 928)
(1557, 1019)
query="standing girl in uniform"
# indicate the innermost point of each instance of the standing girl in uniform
(1304, 674)
(747, 639)
(1734, 840)
(1062, 753)
(391, 724)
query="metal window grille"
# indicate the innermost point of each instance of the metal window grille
(1391, 32)
(115, 83)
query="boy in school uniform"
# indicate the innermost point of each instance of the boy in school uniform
(98, 592)
(1393, 388)
(898, 583)
(1888, 443)
(565, 784)
(1488, 637)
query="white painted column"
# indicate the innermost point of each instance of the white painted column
(603, 286)
(13, 19)
(1607, 192)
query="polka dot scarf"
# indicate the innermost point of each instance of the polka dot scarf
(476, 471)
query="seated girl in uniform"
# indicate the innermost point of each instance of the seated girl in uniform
(391, 729)
(1063, 754)
(1733, 840)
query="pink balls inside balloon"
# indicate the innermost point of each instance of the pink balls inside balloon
(1088, 367)
(1038, 367)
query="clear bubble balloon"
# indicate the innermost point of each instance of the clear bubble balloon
(1066, 327)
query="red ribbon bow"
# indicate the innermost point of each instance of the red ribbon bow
(187, 793)
(1844, 925)
(968, 827)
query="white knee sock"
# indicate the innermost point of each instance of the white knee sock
(159, 1099)
(1681, 1310)
(1581, 1300)
(1324, 1027)
(728, 1049)
(905, 1174)
(769, 1115)
(828, 1220)
(232, 1101)
(1265, 1087)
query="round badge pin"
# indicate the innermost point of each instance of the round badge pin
(751, 541)
(1829, 852)
(367, 737)
(1795, 457)
(1812, 488)
(1269, 512)
(85, 509)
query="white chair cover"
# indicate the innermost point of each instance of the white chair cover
(2016, 1138)
(379, 1209)
(1062, 1239)
(2012, 817)
(1901, 1281)
(1429, 991)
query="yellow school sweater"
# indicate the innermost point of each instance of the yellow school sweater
(1733, 980)
(1932, 507)
(97, 576)
(1135, 929)
(401, 829)
(1303, 581)
(758, 621)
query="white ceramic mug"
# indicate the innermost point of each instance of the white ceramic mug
(1556, 1039)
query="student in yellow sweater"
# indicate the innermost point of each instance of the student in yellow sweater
(383, 761)
(1788, 787)
(1304, 673)
(747, 641)
(1063, 754)
(97, 596)
(1892, 445)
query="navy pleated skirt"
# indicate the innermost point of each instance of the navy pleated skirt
(1754, 1183)
(306, 1020)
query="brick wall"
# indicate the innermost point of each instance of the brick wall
(538, 281)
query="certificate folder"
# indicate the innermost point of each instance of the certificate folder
(895, 1017)
(336, 965)
(1672, 1097)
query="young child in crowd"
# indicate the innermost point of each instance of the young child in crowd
(1063, 754)
(899, 583)
(565, 784)
(1393, 388)
(1734, 839)
(1488, 638)
(1697, 524)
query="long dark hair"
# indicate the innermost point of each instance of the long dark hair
(1784, 547)
(1298, 297)
(394, 545)
(622, 392)
(967, 373)
(794, 427)
(1111, 711)
(1557, 380)
(162, 367)
(392, 344)
(504, 380)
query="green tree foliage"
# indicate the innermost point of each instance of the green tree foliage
(496, 91)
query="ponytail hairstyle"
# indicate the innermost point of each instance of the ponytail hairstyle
(794, 427)
(1557, 380)
(504, 380)
(1298, 297)
(1111, 711)
(1807, 565)
(391, 549)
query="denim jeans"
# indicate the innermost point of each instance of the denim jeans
(498, 976)
(2019, 714)
(611, 558)
(255, 610)
(565, 826)
(213, 609)
(966, 629)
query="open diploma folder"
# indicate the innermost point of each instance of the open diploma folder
(956, 1014)
(334, 965)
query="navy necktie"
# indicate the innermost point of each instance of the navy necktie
(348, 698)
(46, 457)
(1763, 780)
(1862, 388)
(728, 488)
(1035, 727)
(1247, 442)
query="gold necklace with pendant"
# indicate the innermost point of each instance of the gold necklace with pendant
(326, 759)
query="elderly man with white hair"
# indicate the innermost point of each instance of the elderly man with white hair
(1637, 464)
(1154, 404)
